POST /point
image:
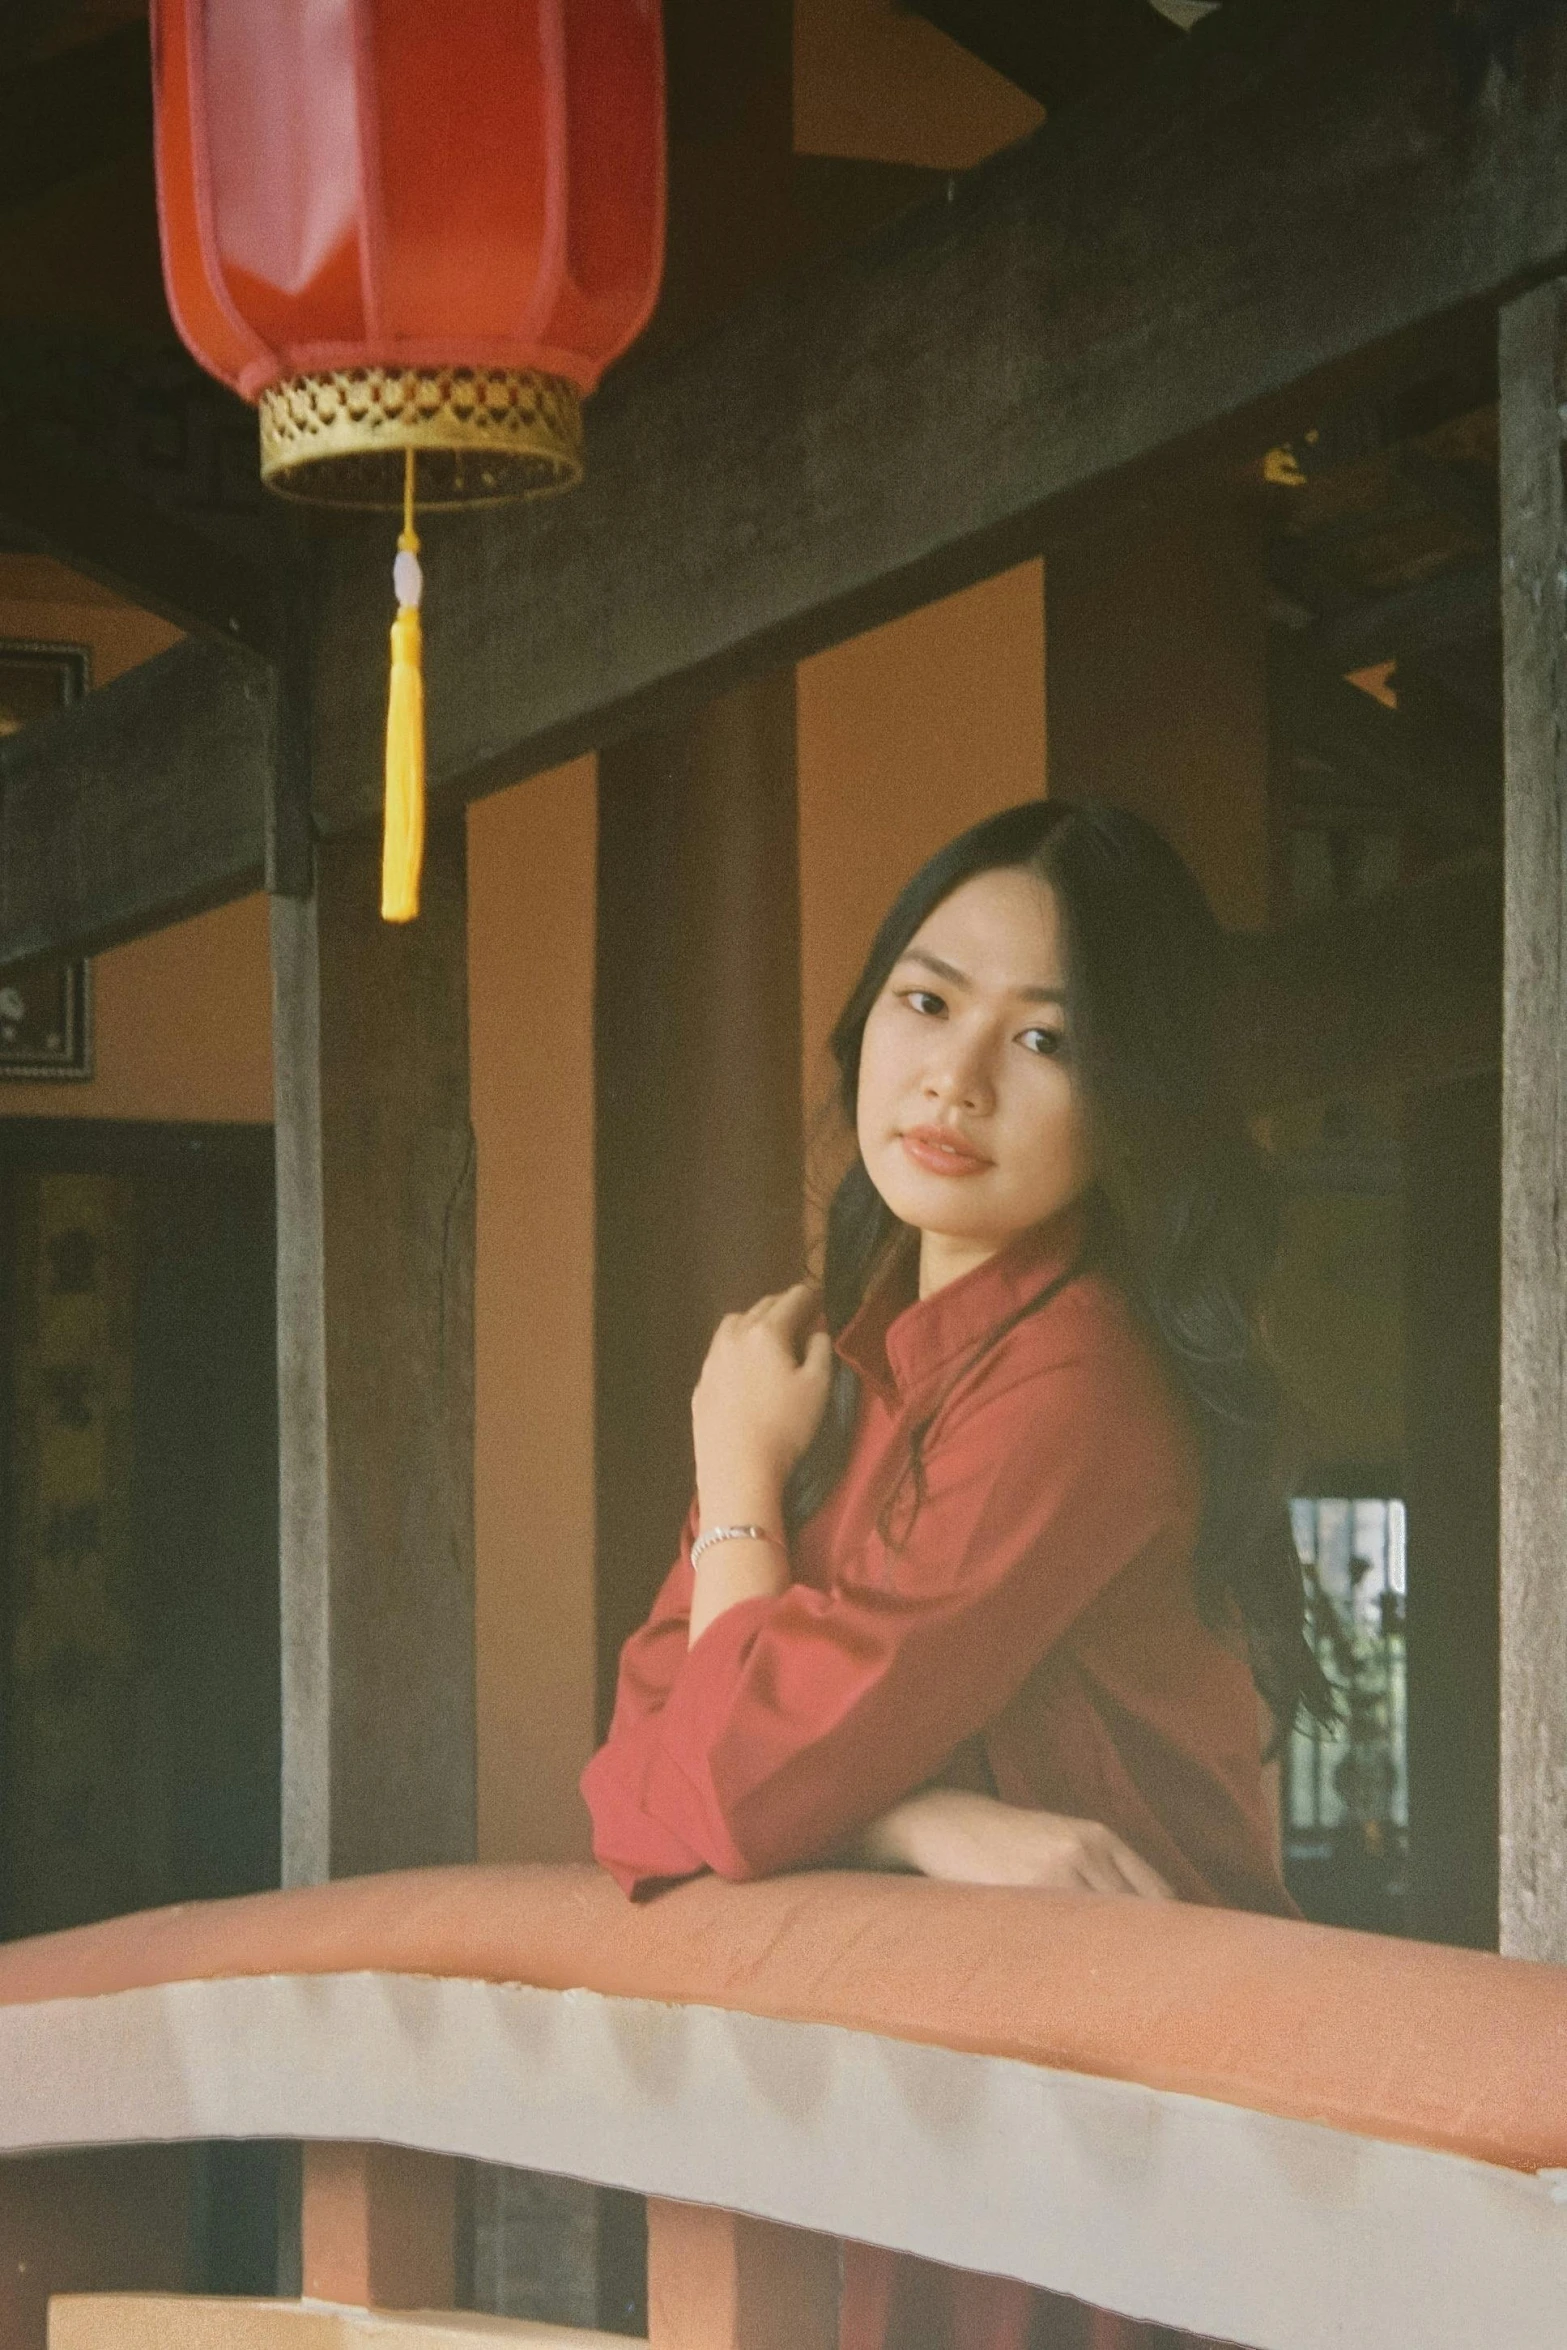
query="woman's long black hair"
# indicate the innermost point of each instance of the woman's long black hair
(1183, 1214)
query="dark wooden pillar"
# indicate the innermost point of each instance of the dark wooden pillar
(1452, 1211)
(1533, 367)
(375, 1356)
(698, 1143)
(375, 1200)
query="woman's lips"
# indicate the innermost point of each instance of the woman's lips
(941, 1153)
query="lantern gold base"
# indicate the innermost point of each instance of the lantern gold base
(481, 435)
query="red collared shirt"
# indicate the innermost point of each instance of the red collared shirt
(1035, 1624)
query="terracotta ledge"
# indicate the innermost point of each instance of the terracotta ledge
(1271, 2133)
(1450, 2049)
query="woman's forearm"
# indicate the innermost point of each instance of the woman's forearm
(900, 1837)
(878, 1845)
(972, 1839)
(737, 1493)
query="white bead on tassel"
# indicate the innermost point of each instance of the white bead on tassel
(402, 850)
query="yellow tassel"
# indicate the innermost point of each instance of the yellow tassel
(402, 852)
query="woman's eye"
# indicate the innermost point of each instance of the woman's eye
(1046, 1042)
(921, 999)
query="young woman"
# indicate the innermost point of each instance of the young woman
(980, 1578)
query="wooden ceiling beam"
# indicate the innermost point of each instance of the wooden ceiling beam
(71, 112)
(139, 805)
(122, 460)
(145, 552)
(1200, 260)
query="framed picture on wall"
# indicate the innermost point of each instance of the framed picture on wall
(45, 1007)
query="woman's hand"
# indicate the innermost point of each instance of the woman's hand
(757, 1405)
(971, 1839)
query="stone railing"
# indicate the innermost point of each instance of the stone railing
(1276, 2134)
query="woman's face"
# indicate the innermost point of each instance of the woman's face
(970, 1122)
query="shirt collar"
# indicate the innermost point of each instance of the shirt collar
(899, 1341)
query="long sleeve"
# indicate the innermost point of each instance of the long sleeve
(628, 1840)
(795, 1720)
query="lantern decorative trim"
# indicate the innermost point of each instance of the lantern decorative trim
(481, 435)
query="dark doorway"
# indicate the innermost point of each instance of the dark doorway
(139, 1743)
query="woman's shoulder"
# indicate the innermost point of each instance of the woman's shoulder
(1088, 1347)
(1089, 1318)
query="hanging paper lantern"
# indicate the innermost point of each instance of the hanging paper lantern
(415, 232)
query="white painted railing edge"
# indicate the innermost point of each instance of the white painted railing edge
(1282, 2234)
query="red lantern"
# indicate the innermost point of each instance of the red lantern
(414, 231)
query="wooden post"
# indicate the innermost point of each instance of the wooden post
(378, 2227)
(375, 1201)
(698, 1142)
(1452, 1208)
(375, 1357)
(718, 2281)
(1533, 362)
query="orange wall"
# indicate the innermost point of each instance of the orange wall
(41, 599)
(182, 1028)
(873, 82)
(907, 734)
(914, 730)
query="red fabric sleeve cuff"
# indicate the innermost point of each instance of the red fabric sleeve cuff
(678, 1789)
(639, 1852)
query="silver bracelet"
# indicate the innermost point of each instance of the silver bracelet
(732, 1534)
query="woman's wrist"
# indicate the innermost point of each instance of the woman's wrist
(710, 1536)
(914, 1833)
(729, 1572)
(880, 1844)
(745, 1498)
(900, 1837)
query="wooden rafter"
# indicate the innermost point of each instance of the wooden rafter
(1449, 608)
(1056, 54)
